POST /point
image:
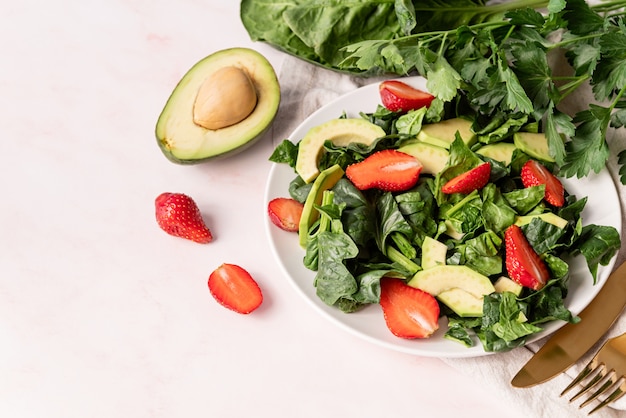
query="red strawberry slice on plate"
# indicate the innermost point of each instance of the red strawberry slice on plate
(523, 264)
(400, 97)
(285, 213)
(178, 215)
(389, 170)
(534, 174)
(409, 312)
(234, 288)
(471, 180)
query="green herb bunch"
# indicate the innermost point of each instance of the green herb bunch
(498, 59)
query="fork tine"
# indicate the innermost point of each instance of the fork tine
(604, 376)
(594, 372)
(604, 387)
(615, 395)
(581, 376)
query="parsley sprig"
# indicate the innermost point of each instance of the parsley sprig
(505, 68)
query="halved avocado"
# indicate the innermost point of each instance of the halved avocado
(221, 105)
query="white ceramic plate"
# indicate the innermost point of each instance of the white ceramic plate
(603, 208)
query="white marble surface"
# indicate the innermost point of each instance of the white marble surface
(104, 315)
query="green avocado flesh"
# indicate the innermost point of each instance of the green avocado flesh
(459, 287)
(184, 142)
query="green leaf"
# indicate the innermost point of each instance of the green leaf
(285, 153)
(583, 55)
(406, 15)
(609, 77)
(581, 19)
(555, 6)
(557, 122)
(622, 162)
(613, 45)
(526, 17)
(443, 80)
(588, 151)
(598, 245)
(535, 75)
(516, 98)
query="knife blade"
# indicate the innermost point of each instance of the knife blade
(572, 341)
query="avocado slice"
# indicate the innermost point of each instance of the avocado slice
(533, 144)
(459, 287)
(444, 277)
(549, 217)
(432, 157)
(463, 303)
(340, 132)
(501, 151)
(325, 181)
(223, 104)
(433, 253)
(443, 133)
(504, 284)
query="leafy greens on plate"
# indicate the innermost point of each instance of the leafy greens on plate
(363, 235)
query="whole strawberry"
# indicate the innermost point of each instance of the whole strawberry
(178, 215)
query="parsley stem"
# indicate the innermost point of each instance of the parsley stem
(574, 40)
(572, 86)
(617, 98)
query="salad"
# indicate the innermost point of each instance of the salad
(361, 237)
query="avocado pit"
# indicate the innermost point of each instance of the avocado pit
(225, 98)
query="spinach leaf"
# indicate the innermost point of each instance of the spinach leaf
(285, 153)
(333, 279)
(598, 245)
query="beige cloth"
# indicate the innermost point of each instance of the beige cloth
(305, 88)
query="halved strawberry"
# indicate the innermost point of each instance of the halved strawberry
(285, 213)
(178, 215)
(234, 288)
(409, 312)
(534, 174)
(400, 97)
(523, 264)
(471, 180)
(389, 170)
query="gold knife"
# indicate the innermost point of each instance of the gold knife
(572, 341)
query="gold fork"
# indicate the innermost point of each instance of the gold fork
(605, 373)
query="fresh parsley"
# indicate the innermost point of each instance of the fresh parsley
(498, 58)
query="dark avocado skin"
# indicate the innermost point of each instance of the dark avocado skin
(194, 144)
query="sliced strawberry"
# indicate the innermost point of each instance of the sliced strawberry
(178, 215)
(534, 174)
(234, 288)
(409, 312)
(523, 264)
(285, 213)
(471, 180)
(389, 170)
(400, 97)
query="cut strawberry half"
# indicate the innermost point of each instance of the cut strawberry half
(534, 174)
(389, 170)
(178, 215)
(285, 213)
(234, 288)
(400, 97)
(523, 264)
(409, 312)
(471, 180)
